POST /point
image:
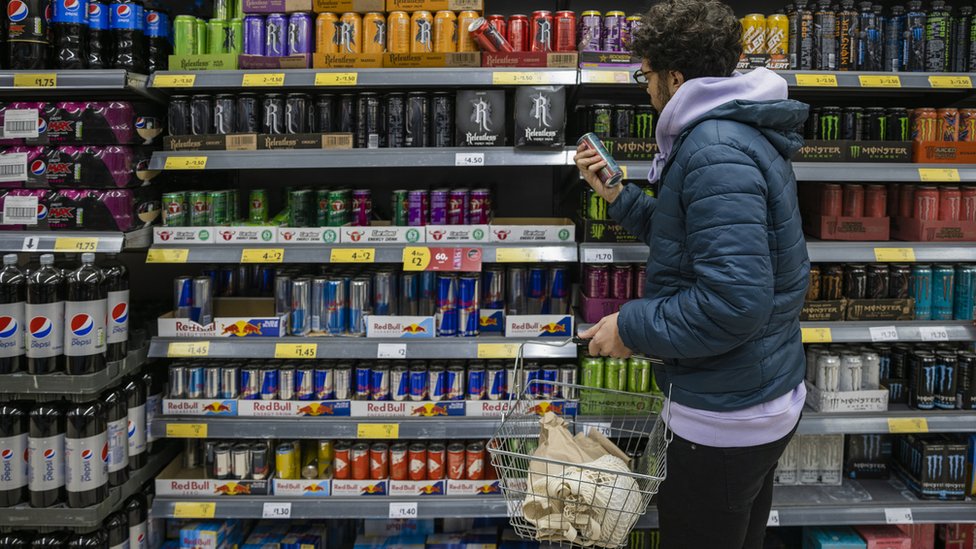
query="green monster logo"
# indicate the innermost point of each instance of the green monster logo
(884, 128)
(642, 125)
(855, 151)
(905, 128)
(829, 127)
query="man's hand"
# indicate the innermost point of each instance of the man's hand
(605, 339)
(589, 163)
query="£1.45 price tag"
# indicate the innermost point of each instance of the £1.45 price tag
(275, 510)
(933, 333)
(179, 349)
(406, 510)
(296, 350)
(883, 333)
(475, 160)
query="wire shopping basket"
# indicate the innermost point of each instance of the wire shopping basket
(595, 504)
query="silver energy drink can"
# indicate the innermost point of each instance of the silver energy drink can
(611, 175)
(202, 300)
(230, 381)
(301, 299)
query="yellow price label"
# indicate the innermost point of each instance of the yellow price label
(908, 425)
(623, 168)
(352, 255)
(416, 258)
(262, 255)
(185, 163)
(894, 255)
(174, 80)
(521, 78)
(938, 175)
(498, 350)
(185, 349)
(879, 81)
(186, 430)
(72, 244)
(378, 430)
(263, 80)
(817, 80)
(950, 82)
(336, 78)
(816, 335)
(167, 255)
(36, 80)
(296, 350)
(607, 77)
(516, 255)
(194, 509)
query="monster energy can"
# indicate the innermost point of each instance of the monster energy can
(829, 124)
(875, 124)
(258, 207)
(899, 124)
(644, 122)
(615, 374)
(639, 375)
(894, 39)
(592, 371)
(824, 37)
(400, 208)
(937, 35)
(594, 206)
(600, 117)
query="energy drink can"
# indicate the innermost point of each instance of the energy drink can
(644, 122)
(175, 212)
(468, 305)
(531, 381)
(852, 124)
(327, 33)
(364, 378)
(301, 302)
(479, 210)
(177, 381)
(211, 382)
(447, 311)
(379, 461)
(297, 109)
(877, 287)
(359, 292)
(777, 35)
(286, 461)
(437, 383)
(489, 37)
(894, 35)
(251, 379)
(950, 203)
(359, 460)
(590, 30)
(275, 35)
(754, 34)
(273, 114)
(455, 382)
(362, 207)
(417, 461)
(269, 383)
(967, 125)
(638, 375)
(342, 462)
(202, 312)
(925, 201)
(436, 459)
(548, 375)
(419, 381)
(323, 384)
(963, 291)
(398, 32)
(260, 461)
(445, 32)
(948, 124)
(247, 113)
(943, 278)
(474, 461)
(442, 120)
(350, 33)
(374, 33)
(304, 383)
(496, 384)
(947, 372)
(229, 382)
(422, 32)
(610, 175)
(380, 382)
(334, 306)
(240, 462)
(596, 281)
(921, 291)
(399, 383)
(567, 381)
(368, 120)
(342, 375)
(855, 281)
(477, 382)
(493, 288)
(558, 284)
(417, 129)
(615, 374)
(535, 291)
(183, 297)
(613, 31)
(464, 21)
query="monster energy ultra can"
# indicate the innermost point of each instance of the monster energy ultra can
(592, 371)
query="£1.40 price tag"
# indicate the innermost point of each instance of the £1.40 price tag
(883, 333)
(933, 333)
(405, 510)
(275, 510)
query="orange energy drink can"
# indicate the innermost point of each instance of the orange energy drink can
(398, 461)
(925, 124)
(341, 464)
(777, 34)
(754, 34)
(421, 32)
(379, 461)
(948, 124)
(374, 33)
(445, 32)
(350, 33)
(436, 461)
(326, 33)
(465, 42)
(967, 125)
(359, 458)
(398, 32)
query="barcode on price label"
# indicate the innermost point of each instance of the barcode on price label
(403, 510)
(884, 333)
(598, 255)
(13, 167)
(899, 516)
(935, 333)
(20, 123)
(469, 159)
(391, 350)
(20, 210)
(273, 510)
(773, 518)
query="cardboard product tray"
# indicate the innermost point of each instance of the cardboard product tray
(605, 230)
(174, 480)
(526, 59)
(539, 326)
(314, 488)
(233, 317)
(847, 228)
(880, 309)
(252, 142)
(855, 151)
(871, 400)
(944, 152)
(593, 309)
(518, 230)
(608, 60)
(205, 62)
(823, 311)
(295, 61)
(342, 6)
(914, 230)
(276, 6)
(434, 5)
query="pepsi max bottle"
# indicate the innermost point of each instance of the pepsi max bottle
(45, 318)
(45, 455)
(154, 403)
(117, 294)
(91, 540)
(84, 317)
(86, 455)
(157, 40)
(125, 20)
(28, 40)
(70, 26)
(15, 540)
(117, 421)
(50, 540)
(135, 399)
(13, 455)
(99, 37)
(135, 508)
(13, 298)
(117, 528)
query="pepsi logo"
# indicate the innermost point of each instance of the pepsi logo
(105, 452)
(82, 324)
(49, 454)
(131, 429)
(94, 9)
(41, 212)
(8, 327)
(38, 167)
(141, 538)
(71, 5)
(17, 11)
(87, 454)
(123, 11)
(41, 327)
(120, 314)
(48, 13)
(7, 454)
(41, 125)
(141, 122)
(152, 18)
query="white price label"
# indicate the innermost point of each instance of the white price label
(514, 507)
(20, 123)
(602, 428)
(884, 333)
(275, 510)
(20, 210)
(598, 255)
(469, 159)
(899, 516)
(403, 510)
(935, 333)
(13, 167)
(30, 244)
(773, 518)
(391, 350)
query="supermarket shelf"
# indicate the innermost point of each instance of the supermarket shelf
(362, 348)
(17, 83)
(864, 423)
(58, 386)
(373, 78)
(365, 158)
(73, 241)
(89, 517)
(839, 171)
(908, 331)
(820, 251)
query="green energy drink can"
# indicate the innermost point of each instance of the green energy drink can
(222, 9)
(217, 35)
(644, 122)
(400, 208)
(591, 368)
(615, 374)
(184, 35)
(235, 36)
(237, 9)
(340, 204)
(257, 206)
(638, 375)
(322, 208)
(199, 208)
(200, 30)
(175, 212)
(594, 206)
(299, 207)
(220, 208)
(233, 206)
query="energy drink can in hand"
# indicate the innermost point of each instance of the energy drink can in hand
(610, 175)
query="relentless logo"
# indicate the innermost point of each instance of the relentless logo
(543, 32)
(541, 110)
(346, 36)
(271, 114)
(423, 36)
(273, 41)
(379, 36)
(481, 114)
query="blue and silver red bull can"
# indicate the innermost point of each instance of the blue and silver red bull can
(468, 305)
(610, 175)
(305, 383)
(531, 373)
(250, 383)
(194, 381)
(265, 282)
(427, 293)
(437, 386)
(269, 383)
(324, 384)
(211, 382)
(384, 290)
(400, 383)
(183, 296)
(286, 382)
(493, 288)
(333, 320)
(548, 374)
(409, 303)
(364, 378)
(380, 382)
(943, 277)
(418, 383)
(477, 379)
(301, 303)
(535, 291)
(275, 35)
(455, 383)
(496, 382)
(226, 281)
(316, 302)
(254, 41)
(300, 33)
(558, 291)
(447, 310)
(230, 381)
(342, 374)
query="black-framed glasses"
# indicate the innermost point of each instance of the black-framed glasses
(641, 77)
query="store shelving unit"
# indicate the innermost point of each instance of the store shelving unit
(58, 386)
(36, 241)
(73, 82)
(865, 172)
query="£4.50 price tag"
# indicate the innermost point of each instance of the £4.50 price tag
(597, 255)
(475, 160)
(391, 350)
(934, 333)
(407, 510)
(901, 515)
(275, 510)
(883, 333)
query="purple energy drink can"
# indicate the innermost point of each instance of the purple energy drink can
(639, 280)
(590, 31)
(300, 32)
(469, 295)
(254, 41)
(596, 281)
(418, 383)
(613, 31)
(362, 207)
(399, 383)
(446, 316)
(479, 209)
(276, 35)
(439, 207)
(458, 208)
(417, 207)
(324, 384)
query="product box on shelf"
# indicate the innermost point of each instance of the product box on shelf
(398, 527)
(276, 6)
(495, 408)
(530, 59)
(431, 60)
(418, 488)
(599, 230)
(233, 317)
(88, 166)
(79, 123)
(365, 541)
(203, 62)
(342, 6)
(294, 61)
(854, 151)
(403, 327)
(823, 311)
(474, 487)
(632, 148)
(174, 480)
(832, 537)
(347, 487)
(593, 309)
(944, 152)
(324, 60)
(540, 116)
(407, 408)
(957, 536)
(252, 142)
(532, 326)
(933, 466)
(609, 60)
(183, 235)
(480, 118)
(884, 536)
(753, 61)
(315, 488)
(293, 408)
(222, 533)
(915, 230)
(83, 209)
(308, 235)
(517, 230)
(382, 233)
(199, 407)
(434, 5)
(827, 227)
(922, 535)
(867, 400)
(867, 456)
(461, 234)
(881, 309)
(491, 321)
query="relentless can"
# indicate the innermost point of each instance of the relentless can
(487, 37)
(445, 32)
(275, 35)
(247, 113)
(398, 32)
(350, 32)
(368, 121)
(611, 175)
(442, 120)
(564, 24)
(417, 128)
(327, 33)
(374, 33)
(422, 32)
(273, 114)
(465, 42)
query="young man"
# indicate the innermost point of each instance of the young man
(727, 274)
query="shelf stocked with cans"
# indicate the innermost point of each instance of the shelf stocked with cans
(864, 172)
(62, 82)
(22, 385)
(73, 241)
(89, 517)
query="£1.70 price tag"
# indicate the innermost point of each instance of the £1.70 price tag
(933, 333)
(275, 510)
(597, 255)
(406, 510)
(883, 333)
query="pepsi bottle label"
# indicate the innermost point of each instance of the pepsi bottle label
(136, 429)
(26, 22)
(11, 329)
(71, 12)
(123, 545)
(138, 535)
(86, 462)
(97, 16)
(125, 17)
(118, 445)
(156, 25)
(45, 463)
(84, 333)
(13, 462)
(118, 317)
(45, 329)
(154, 405)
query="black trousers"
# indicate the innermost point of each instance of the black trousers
(717, 498)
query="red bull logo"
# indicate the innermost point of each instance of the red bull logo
(493, 488)
(374, 490)
(233, 489)
(316, 409)
(487, 321)
(553, 328)
(543, 407)
(429, 410)
(241, 329)
(414, 329)
(312, 488)
(432, 489)
(216, 407)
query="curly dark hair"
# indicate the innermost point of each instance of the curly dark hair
(694, 37)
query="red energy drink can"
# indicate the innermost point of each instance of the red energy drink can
(926, 203)
(925, 125)
(341, 463)
(455, 461)
(906, 200)
(417, 461)
(596, 281)
(359, 459)
(479, 207)
(565, 24)
(950, 203)
(967, 125)
(853, 200)
(436, 459)
(379, 461)
(611, 175)
(875, 201)
(488, 37)
(540, 31)
(518, 32)
(398, 462)
(967, 211)
(621, 282)
(474, 461)
(948, 124)
(640, 279)
(498, 23)
(831, 200)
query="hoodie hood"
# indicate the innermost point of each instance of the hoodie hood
(758, 98)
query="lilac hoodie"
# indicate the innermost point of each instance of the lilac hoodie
(769, 421)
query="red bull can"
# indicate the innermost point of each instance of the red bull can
(446, 317)
(437, 383)
(364, 377)
(399, 383)
(496, 382)
(342, 376)
(183, 297)
(418, 383)
(269, 383)
(250, 383)
(211, 382)
(324, 384)
(333, 311)
(477, 378)
(229, 383)
(455, 383)
(194, 381)
(531, 379)
(558, 302)
(611, 175)
(548, 374)
(304, 383)
(177, 381)
(538, 279)
(286, 382)
(493, 288)
(567, 376)
(380, 382)
(469, 295)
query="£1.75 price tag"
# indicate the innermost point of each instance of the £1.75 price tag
(406, 510)
(275, 510)
(883, 333)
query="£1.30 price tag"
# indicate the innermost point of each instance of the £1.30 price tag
(883, 333)
(901, 515)
(391, 350)
(406, 510)
(933, 333)
(475, 160)
(275, 510)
